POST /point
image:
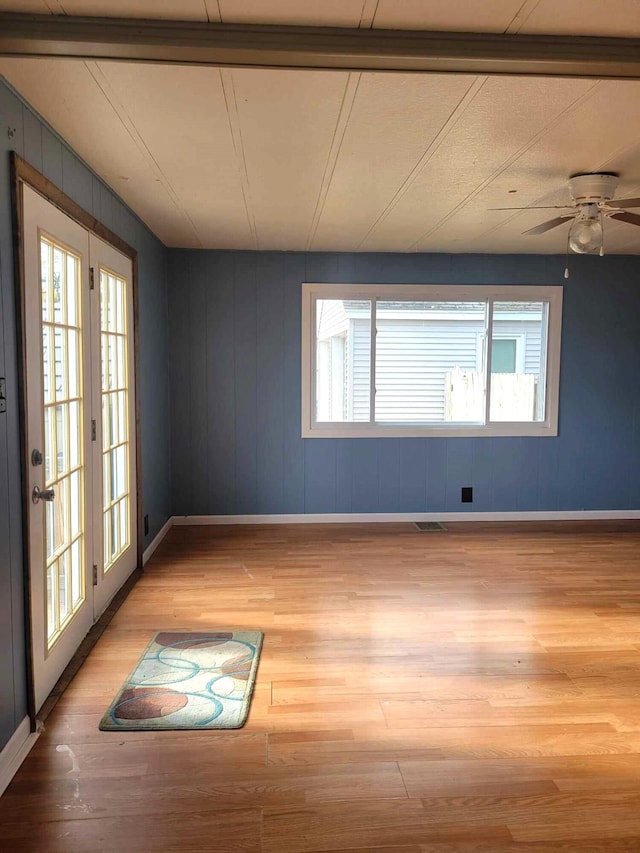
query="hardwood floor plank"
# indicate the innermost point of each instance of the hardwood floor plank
(328, 827)
(233, 832)
(506, 777)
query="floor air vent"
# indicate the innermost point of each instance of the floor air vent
(429, 526)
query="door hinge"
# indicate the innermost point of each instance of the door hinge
(95, 575)
(93, 429)
(92, 279)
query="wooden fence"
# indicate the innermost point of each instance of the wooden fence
(513, 396)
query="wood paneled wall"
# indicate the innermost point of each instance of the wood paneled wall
(235, 392)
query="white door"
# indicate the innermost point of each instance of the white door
(80, 435)
(114, 451)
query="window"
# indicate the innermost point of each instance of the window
(503, 355)
(413, 360)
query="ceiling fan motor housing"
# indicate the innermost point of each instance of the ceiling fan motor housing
(592, 189)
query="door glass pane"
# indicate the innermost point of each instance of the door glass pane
(76, 574)
(49, 444)
(63, 434)
(64, 591)
(106, 479)
(75, 504)
(106, 537)
(74, 362)
(111, 362)
(52, 592)
(118, 472)
(124, 514)
(116, 445)
(120, 419)
(50, 529)
(71, 290)
(48, 372)
(74, 429)
(46, 281)
(59, 356)
(121, 370)
(518, 361)
(59, 284)
(115, 530)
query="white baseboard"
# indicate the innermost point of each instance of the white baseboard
(157, 539)
(15, 752)
(366, 517)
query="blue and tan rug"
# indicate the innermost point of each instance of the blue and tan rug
(188, 680)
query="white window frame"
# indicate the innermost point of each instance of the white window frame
(552, 295)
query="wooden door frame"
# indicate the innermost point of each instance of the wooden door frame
(23, 173)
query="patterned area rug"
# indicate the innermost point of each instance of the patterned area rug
(193, 680)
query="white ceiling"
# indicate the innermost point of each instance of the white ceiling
(259, 159)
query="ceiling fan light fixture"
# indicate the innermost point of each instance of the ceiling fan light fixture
(585, 236)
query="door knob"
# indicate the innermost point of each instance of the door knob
(38, 495)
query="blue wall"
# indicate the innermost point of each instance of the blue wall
(235, 393)
(21, 130)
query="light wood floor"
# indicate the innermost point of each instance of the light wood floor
(469, 691)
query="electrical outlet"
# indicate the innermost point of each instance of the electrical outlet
(146, 525)
(466, 495)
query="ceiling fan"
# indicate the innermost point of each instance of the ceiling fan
(591, 201)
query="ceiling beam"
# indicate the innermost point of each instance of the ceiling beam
(257, 46)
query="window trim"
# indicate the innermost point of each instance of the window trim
(451, 292)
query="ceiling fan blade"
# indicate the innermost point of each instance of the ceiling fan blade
(631, 218)
(551, 223)
(547, 207)
(624, 202)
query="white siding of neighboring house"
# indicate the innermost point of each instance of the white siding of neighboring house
(412, 360)
(532, 347)
(331, 318)
(331, 357)
(359, 368)
(414, 357)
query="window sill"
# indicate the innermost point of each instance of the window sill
(494, 430)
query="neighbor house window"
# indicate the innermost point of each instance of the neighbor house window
(503, 355)
(415, 360)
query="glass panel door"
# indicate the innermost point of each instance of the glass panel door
(116, 521)
(58, 416)
(63, 444)
(80, 431)
(114, 451)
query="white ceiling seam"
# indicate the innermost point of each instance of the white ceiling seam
(521, 16)
(346, 106)
(55, 7)
(101, 80)
(598, 166)
(212, 11)
(368, 14)
(562, 116)
(235, 127)
(576, 141)
(461, 107)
